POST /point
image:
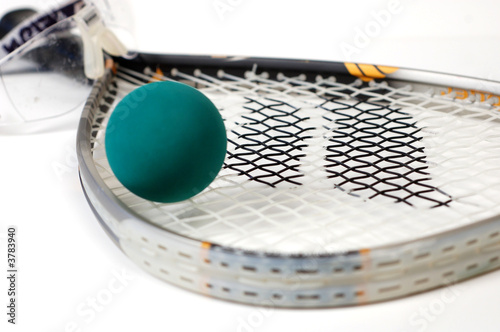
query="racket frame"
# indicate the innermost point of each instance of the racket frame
(289, 280)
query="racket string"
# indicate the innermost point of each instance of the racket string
(377, 149)
(290, 135)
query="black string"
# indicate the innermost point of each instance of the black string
(375, 149)
(270, 145)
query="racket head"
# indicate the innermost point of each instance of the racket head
(284, 224)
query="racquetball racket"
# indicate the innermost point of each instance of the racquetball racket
(343, 183)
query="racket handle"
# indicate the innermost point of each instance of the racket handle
(13, 18)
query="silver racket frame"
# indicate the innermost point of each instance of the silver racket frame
(280, 280)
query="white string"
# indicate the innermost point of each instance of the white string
(461, 144)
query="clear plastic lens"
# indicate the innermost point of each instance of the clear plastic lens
(45, 78)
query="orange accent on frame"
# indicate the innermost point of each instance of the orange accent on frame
(364, 252)
(157, 76)
(368, 72)
(371, 71)
(110, 64)
(462, 94)
(205, 285)
(353, 69)
(387, 70)
(365, 264)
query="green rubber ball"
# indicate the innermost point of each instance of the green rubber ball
(165, 141)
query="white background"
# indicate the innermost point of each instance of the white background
(65, 259)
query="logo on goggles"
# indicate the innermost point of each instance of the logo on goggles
(27, 31)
